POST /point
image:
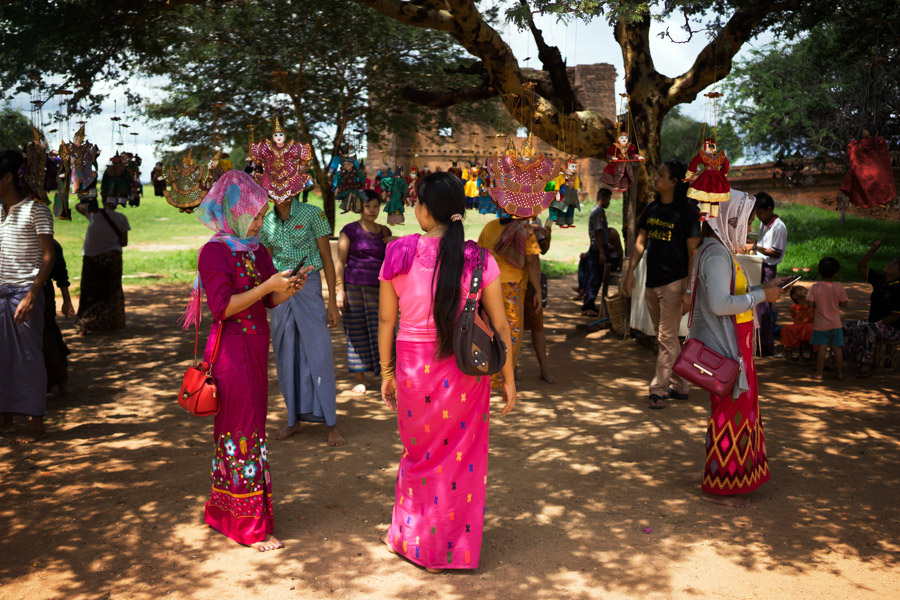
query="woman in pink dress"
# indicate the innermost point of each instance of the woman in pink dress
(442, 414)
(240, 283)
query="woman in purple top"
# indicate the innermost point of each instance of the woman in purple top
(360, 254)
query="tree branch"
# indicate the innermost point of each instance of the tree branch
(552, 61)
(448, 98)
(715, 60)
(412, 14)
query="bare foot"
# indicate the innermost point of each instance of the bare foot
(384, 540)
(546, 376)
(286, 432)
(335, 438)
(36, 431)
(434, 570)
(732, 501)
(359, 388)
(270, 543)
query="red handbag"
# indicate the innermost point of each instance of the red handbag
(198, 394)
(706, 368)
(702, 366)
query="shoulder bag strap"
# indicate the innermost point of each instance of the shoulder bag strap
(111, 224)
(697, 284)
(475, 285)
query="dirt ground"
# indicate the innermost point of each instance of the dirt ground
(590, 494)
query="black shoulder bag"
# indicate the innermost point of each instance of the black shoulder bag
(476, 343)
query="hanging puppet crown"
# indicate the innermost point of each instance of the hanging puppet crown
(572, 163)
(527, 148)
(36, 134)
(279, 128)
(511, 148)
(710, 140)
(413, 169)
(80, 133)
(188, 158)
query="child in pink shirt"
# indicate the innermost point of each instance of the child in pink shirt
(828, 296)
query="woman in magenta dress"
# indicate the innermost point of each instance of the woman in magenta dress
(442, 414)
(240, 283)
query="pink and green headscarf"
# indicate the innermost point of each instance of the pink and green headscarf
(228, 209)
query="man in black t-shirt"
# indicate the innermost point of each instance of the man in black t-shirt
(669, 231)
(861, 337)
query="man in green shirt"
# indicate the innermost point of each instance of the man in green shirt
(295, 231)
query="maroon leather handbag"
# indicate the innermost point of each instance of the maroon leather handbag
(706, 368)
(702, 366)
(199, 395)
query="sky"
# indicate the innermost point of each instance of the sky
(579, 43)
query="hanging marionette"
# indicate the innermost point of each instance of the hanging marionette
(348, 185)
(472, 191)
(710, 186)
(79, 161)
(455, 169)
(412, 186)
(395, 188)
(117, 183)
(137, 190)
(520, 180)
(285, 165)
(38, 173)
(562, 208)
(189, 183)
(619, 173)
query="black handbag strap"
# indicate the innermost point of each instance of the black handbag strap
(110, 221)
(475, 285)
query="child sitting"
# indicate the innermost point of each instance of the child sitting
(798, 335)
(828, 296)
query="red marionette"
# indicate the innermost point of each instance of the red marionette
(619, 174)
(711, 186)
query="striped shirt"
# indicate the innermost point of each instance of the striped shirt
(295, 239)
(20, 248)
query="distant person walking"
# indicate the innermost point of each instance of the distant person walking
(101, 306)
(26, 261)
(361, 248)
(443, 414)
(736, 459)
(240, 283)
(669, 230)
(771, 244)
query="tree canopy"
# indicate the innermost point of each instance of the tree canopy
(680, 138)
(810, 97)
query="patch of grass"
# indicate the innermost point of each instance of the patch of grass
(814, 233)
(163, 243)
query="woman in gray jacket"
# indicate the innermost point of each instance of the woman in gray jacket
(722, 319)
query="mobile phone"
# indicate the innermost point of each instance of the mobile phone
(791, 282)
(303, 261)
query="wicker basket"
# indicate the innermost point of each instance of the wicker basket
(616, 305)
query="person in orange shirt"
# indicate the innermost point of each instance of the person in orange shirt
(798, 334)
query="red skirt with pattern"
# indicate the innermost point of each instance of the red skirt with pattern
(735, 446)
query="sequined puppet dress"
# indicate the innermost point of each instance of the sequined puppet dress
(284, 165)
(710, 186)
(618, 174)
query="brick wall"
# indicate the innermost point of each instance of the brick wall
(594, 86)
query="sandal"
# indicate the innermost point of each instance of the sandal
(657, 402)
(590, 313)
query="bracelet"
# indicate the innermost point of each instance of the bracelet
(387, 369)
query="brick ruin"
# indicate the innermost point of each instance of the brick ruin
(594, 85)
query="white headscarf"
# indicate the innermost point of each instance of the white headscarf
(734, 220)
